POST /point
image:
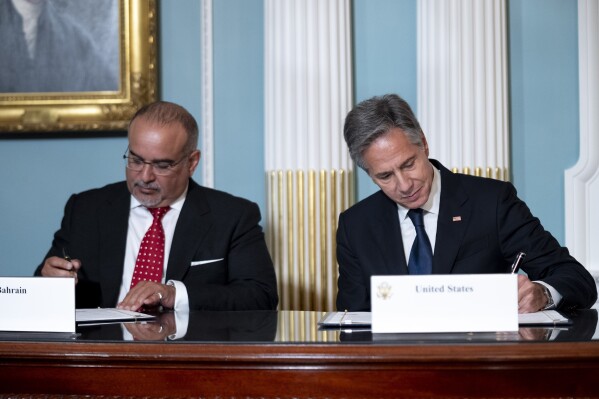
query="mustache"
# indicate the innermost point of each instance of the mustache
(146, 186)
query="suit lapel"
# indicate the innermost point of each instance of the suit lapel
(192, 227)
(387, 236)
(114, 221)
(454, 214)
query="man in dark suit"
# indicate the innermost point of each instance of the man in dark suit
(213, 249)
(472, 224)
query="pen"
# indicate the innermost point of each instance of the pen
(66, 257)
(343, 317)
(519, 258)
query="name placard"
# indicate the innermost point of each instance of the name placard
(37, 304)
(444, 303)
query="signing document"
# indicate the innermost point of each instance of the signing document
(109, 315)
(364, 319)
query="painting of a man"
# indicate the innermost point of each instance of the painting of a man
(52, 46)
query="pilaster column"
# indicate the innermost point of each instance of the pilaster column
(309, 173)
(462, 84)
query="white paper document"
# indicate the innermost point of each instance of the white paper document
(106, 315)
(346, 319)
(364, 319)
(543, 318)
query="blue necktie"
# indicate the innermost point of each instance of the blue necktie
(421, 256)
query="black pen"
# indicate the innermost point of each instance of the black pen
(519, 258)
(66, 257)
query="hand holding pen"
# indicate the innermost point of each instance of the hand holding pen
(529, 293)
(68, 258)
(61, 266)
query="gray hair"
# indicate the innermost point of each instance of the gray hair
(374, 117)
(166, 113)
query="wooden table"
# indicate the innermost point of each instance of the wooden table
(339, 369)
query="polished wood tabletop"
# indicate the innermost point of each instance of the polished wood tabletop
(286, 355)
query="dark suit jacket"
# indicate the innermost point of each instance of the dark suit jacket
(495, 225)
(212, 225)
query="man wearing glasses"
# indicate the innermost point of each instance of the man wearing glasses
(160, 239)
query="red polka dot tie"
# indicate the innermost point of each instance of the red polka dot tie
(150, 259)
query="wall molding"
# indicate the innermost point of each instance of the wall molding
(308, 92)
(207, 123)
(582, 180)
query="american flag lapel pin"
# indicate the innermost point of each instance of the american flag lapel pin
(456, 219)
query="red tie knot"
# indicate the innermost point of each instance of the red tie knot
(158, 213)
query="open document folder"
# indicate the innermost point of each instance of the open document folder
(108, 315)
(364, 319)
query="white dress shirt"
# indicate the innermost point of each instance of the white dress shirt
(140, 220)
(30, 13)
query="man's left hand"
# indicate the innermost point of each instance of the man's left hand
(149, 294)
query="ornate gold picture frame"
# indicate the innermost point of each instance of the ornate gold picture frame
(92, 110)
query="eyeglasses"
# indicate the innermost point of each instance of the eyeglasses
(160, 168)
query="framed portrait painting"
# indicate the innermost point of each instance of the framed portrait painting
(75, 65)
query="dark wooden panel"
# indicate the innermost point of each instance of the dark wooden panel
(532, 370)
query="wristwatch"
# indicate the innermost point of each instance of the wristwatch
(550, 303)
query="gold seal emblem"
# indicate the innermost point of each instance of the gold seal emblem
(384, 291)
